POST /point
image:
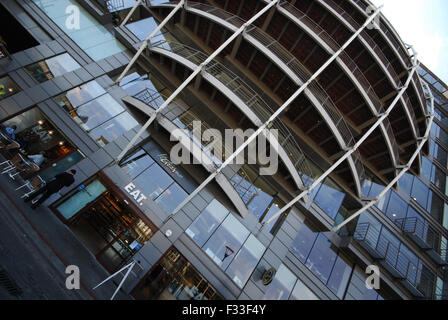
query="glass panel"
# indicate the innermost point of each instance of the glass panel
(135, 164)
(153, 181)
(96, 112)
(90, 35)
(405, 183)
(420, 192)
(8, 87)
(226, 241)
(321, 258)
(397, 207)
(303, 243)
(302, 292)
(330, 198)
(80, 95)
(282, 285)
(79, 200)
(435, 206)
(62, 165)
(340, 276)
(245, 261)
(171, 198)
(427, 169)
(52, 67)
(113, 129)
(209, 220)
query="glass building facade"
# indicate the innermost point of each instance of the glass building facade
(63, 97)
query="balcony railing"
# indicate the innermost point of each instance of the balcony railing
(401, 267)
(188, 121)
(247, 95)
(425, 237)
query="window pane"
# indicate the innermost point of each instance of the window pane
(153, 181)
(321, 258)
(171, 198)
(329, 198)
(303, 243)
(113, 129)
(340, 276)
(420, 192)
(245, 261)
(135, 164)
(302, 292)
(202, 228)
(226, 241)
(435, 206)
(96, 112)
(397, 207)
(405, 183)
(282, 285)
(80, 95)
(7, 87)
(52, 67)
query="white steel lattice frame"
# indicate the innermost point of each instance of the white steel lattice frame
(263, 128)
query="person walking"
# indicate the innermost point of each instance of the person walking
(64, 179)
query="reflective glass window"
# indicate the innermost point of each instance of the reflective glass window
(282, 285)
(171, 198)
(113, 129)
(340, 275)
(420, 192)
(136, 163)
(303, 243)
(321, 258)
(302, 292)
(245, 261)
(226, 241)
(330, 198)
(52, 67)
(8, 87)
(207, 222)
(397, 207)
(153, 181)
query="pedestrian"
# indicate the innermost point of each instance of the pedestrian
(64, 179)
(11, 131)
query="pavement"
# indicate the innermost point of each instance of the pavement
(35, 249)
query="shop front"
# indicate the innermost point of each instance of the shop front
(105, 221)
(174, 278)
(41, 142)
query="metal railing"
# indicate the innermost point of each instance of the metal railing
(299, 69)
(349, 63)
(426, 233)
(247, 95)
(405, 269)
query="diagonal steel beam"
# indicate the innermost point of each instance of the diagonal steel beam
(263, 128)
(194, 74)
(131, 12)
(350, 151)
(422, 142)
(148, 39)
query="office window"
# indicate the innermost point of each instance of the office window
(135, 164)
(302, 292)
(282, 285)
(113, 128)
(435, 206)
(321, 258)
(330, 198)
(303, 242)
(171, 198)
(397, 207)
(207, 222)
(340, 275)
(8, 87)
(245, 261)
(153, 181)
(226, 241)
(53, 67)
(420, 192)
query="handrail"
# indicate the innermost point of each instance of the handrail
(410, 272)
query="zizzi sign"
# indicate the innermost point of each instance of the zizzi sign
(137, 194)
